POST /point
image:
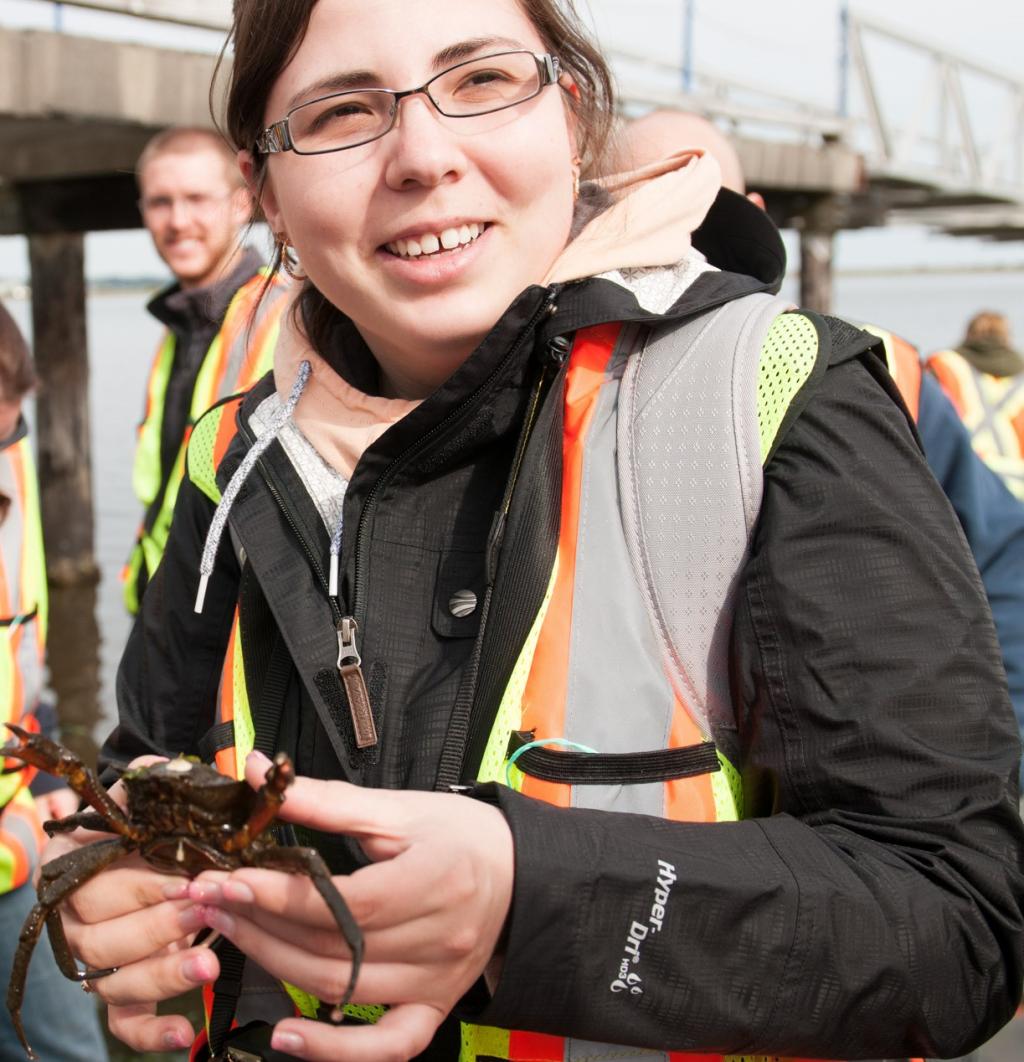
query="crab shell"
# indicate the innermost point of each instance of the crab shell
(188, 810)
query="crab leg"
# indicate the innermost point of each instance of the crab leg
(58, 880)
(309, 862)
(269, 799)
(84, 820)
(48, 756)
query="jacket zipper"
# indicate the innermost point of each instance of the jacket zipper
(348, 649)
(349, 662)
(453, 755)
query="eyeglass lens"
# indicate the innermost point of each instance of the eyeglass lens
(481, 86)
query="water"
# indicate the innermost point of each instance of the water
(929, 310)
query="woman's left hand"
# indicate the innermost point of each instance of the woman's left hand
(431, 906)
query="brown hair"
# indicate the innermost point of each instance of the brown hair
(267, 34)
(17, 376)
(185, 139)
(988, 325)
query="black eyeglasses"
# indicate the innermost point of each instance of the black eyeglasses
(348, 119)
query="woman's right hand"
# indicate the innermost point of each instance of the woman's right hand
(132, 917)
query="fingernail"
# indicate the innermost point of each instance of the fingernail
(287, 1041)
(197, 969)
(257, 757)
(205, 892)
(239, 892)
(191, 919)
(174, 1041)
(215, 918)
(175, 890)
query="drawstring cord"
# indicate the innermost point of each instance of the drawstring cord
(332, 589)
(220, 516)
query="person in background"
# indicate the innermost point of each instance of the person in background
(984, 379)
(194, 205)
(991, 517)
(26, 802)
(659, 133)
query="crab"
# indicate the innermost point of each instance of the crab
(183, 817)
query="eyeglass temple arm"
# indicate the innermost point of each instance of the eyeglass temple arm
(275, 138)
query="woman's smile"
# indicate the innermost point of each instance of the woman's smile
(436, 258)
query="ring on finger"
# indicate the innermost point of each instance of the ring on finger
(87, 976)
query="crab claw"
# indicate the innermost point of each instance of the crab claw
(40, 752)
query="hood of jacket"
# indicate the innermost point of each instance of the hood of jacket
(992, 357)
(660, 242)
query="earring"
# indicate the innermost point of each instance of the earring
(289, 259)
(576, 164)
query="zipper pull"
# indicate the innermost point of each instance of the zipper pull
(351, 671)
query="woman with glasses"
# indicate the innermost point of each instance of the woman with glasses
(639, 685)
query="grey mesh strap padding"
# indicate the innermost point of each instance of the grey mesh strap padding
(691, 481)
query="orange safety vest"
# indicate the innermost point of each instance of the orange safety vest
(992, 409)
(904, 363)
(240, 354)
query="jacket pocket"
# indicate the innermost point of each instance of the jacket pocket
(458, 594)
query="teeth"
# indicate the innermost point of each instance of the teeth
(431, 243)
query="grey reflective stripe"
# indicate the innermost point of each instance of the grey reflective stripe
(585, 1051)
(618, 698)
(691, 482)
(994, 415)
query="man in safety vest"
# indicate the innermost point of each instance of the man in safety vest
(984, 379)
(23, 600)
(194, 204)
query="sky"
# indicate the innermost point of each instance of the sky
(788, 47)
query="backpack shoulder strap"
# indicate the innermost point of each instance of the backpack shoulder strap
(702, 407)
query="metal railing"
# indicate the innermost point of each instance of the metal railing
(649, 82)
(934, 115)
(203, 14)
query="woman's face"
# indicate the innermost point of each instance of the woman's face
(508, 176)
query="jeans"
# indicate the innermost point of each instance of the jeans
(61, 1021)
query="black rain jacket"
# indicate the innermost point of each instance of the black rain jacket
(870, 908)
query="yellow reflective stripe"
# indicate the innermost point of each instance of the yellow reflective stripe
(307, 1005)
(245, 732)
(204, 394)
(130, 579)
(510, 711)
(788, 355)
(146, 472)
(727, 790)
(19, 841)
(201, 468)
(9, 783)
(483, 1041)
